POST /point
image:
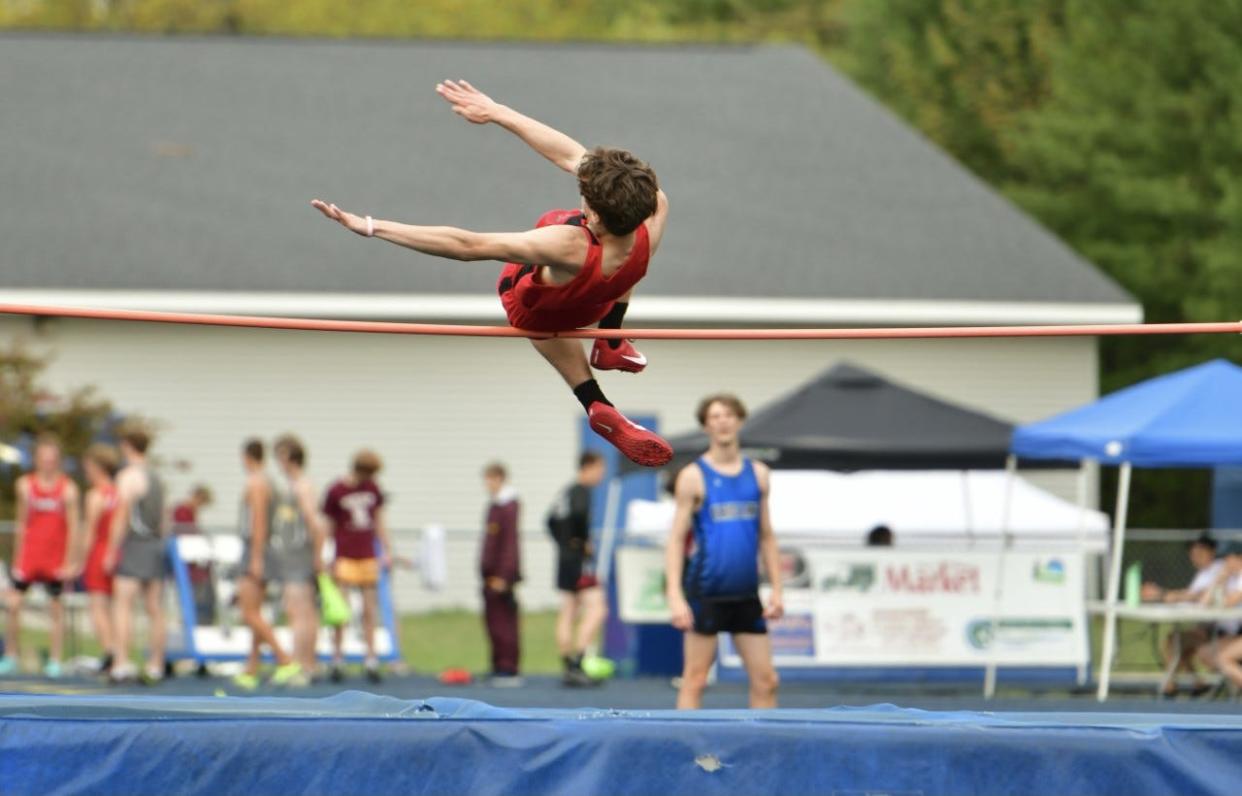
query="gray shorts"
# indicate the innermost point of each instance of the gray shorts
(142, 558)
(292, 566)
(269, 566)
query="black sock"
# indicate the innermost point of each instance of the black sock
(613, 320)
(588, 392)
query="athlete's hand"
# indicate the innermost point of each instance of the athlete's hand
(775, 608)
(468, 102)
(683, 618)
(68, 572)
(351, 222)
(498, 585)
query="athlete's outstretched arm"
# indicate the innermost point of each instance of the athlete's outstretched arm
(475, 106)
(559, 246)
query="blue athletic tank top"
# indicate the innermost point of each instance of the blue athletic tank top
(723, 560)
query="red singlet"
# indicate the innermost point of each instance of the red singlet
(582, 301)
(46, 533)
(96, 580)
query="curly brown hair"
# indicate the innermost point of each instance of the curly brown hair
(727, 399)
(619, 187)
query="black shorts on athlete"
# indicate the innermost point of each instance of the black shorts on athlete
(54, 588)
(572, 573)
(729, 615)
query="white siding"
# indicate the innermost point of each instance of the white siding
(438, 408)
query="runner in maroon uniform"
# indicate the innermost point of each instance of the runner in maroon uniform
(47, 518)
(354, 506)
(576, 268)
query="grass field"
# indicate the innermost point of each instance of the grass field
(429, 642)
(436, 641)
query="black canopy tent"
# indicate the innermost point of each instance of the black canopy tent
(849, 418)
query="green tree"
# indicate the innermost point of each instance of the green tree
(961, 71)
(28, 408)
(1114, 122)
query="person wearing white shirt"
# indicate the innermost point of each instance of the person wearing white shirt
(1185, 643)
(1225, 652)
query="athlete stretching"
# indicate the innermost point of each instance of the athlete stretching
(576, 268)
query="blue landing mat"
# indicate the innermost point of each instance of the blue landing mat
(356, 743)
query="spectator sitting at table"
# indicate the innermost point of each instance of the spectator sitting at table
(1225, 651)
(1185, 643)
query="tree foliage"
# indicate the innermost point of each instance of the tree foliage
(1115, 123)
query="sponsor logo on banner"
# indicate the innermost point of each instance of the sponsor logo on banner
(1017, 632)
(945, 577)
(793, 635)
(1050, 571)
(849, 577)
(652, 596)
(794, 571)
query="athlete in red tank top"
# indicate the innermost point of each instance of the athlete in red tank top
(100, 465)
(557, 278)
(47, 518)
(46, 534)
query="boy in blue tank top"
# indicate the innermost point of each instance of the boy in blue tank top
(721, 531)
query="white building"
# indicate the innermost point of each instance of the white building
(174, 174)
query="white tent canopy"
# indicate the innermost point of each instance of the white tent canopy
(940, 505)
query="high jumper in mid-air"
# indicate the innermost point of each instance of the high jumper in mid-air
(574, 269)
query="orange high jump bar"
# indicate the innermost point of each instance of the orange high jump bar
(454, 330)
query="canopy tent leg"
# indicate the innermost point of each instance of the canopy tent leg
(1084, 472)
(989, 677)
(608, 536)
(1114, 581)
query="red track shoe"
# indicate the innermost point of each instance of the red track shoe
(623, 357)
(637, 443)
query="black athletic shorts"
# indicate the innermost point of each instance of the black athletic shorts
(572, 573)
(712, 616)
(52, 587)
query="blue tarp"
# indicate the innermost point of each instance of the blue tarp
(1192, 418)
(360, 744)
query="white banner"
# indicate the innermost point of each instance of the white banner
(888, 607)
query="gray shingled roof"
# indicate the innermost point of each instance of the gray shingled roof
(183, 164)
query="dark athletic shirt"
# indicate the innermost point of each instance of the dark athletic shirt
(569, 518)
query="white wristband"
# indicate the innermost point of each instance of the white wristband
(370, 227)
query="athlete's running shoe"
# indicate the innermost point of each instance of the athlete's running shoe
(286, 674)
(121, 675)
(8, 665)
(373, 672)
(624, 357)
(52, 669)
(637, 443)
(246, 682)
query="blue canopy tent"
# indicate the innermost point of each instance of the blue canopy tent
(1191, 418)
